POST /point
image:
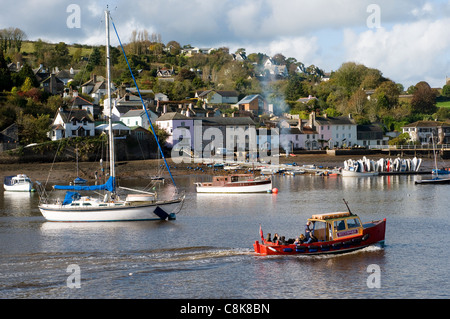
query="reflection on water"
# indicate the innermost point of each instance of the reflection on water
(207, 252)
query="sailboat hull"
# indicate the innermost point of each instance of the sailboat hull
(61, 213)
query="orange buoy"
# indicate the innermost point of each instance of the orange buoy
(275, 190)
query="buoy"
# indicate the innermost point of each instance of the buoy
(275, 190)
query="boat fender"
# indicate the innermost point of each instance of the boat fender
(287, 250)
(365, 237)
(356, 240)
(325, 247)
(347, 243)
(300, 249)
(312, 249)
(337, 246)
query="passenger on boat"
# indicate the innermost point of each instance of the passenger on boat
(300, 239)
(309, 234)
(276, 237)
(268, 239)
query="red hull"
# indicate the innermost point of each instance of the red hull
(373, 233)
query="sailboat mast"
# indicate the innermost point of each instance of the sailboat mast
(108, 75)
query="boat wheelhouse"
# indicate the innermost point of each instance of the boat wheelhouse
(333, 233)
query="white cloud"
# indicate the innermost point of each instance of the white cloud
(411, 45)
(406, 53)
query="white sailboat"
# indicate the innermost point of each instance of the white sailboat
(77, 208)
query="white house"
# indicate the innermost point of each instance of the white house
(138, 118)
(427, 132)
(72, 123)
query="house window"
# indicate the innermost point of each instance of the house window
(88, 133)
(74, 132)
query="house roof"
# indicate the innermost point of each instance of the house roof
(172, 116)
(427, 124)
(224, 121)
(78, 100)
(249, 98)
(79, 115)
(222, 93)
(340, 120)
(134, 113)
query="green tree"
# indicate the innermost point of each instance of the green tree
(33, 129)
(446, 90)
(387, 95)
(294, 88)
(424, 98)
(27, 85)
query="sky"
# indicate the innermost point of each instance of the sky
(407, 40)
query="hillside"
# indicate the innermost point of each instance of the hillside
(179, 71)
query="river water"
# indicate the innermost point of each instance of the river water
(207, 252)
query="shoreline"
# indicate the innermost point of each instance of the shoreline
(67, 171)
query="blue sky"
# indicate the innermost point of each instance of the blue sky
(409, 44)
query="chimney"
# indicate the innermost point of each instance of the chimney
(300, 124)
(312, 120)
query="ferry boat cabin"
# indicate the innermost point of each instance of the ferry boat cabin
(335, 226)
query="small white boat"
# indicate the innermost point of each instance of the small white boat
(353, 173)
(18, 183)
(236, 183)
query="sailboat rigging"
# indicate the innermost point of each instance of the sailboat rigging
(75, 207)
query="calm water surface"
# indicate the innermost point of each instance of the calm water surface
(207, 252)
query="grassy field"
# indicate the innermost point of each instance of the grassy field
(28, 47)
(443, 104)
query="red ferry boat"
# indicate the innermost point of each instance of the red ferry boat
(331, 233)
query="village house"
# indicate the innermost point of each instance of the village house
(297, 134)
(9, 138)
(428, 132)
(67, 76)
(138, 118)
(335, 132)
(96, 87)
(217, 97)
(173, 120)
(254, 103)
(78, 102)
(272, 69)
(191, 51)
(52, 85)
(70, 123)
(371, 135)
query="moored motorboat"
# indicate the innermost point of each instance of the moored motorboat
(332, 233)
(236, 183)
(18, 183)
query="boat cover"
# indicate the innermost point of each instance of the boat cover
(70, 196)
(109, 186)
